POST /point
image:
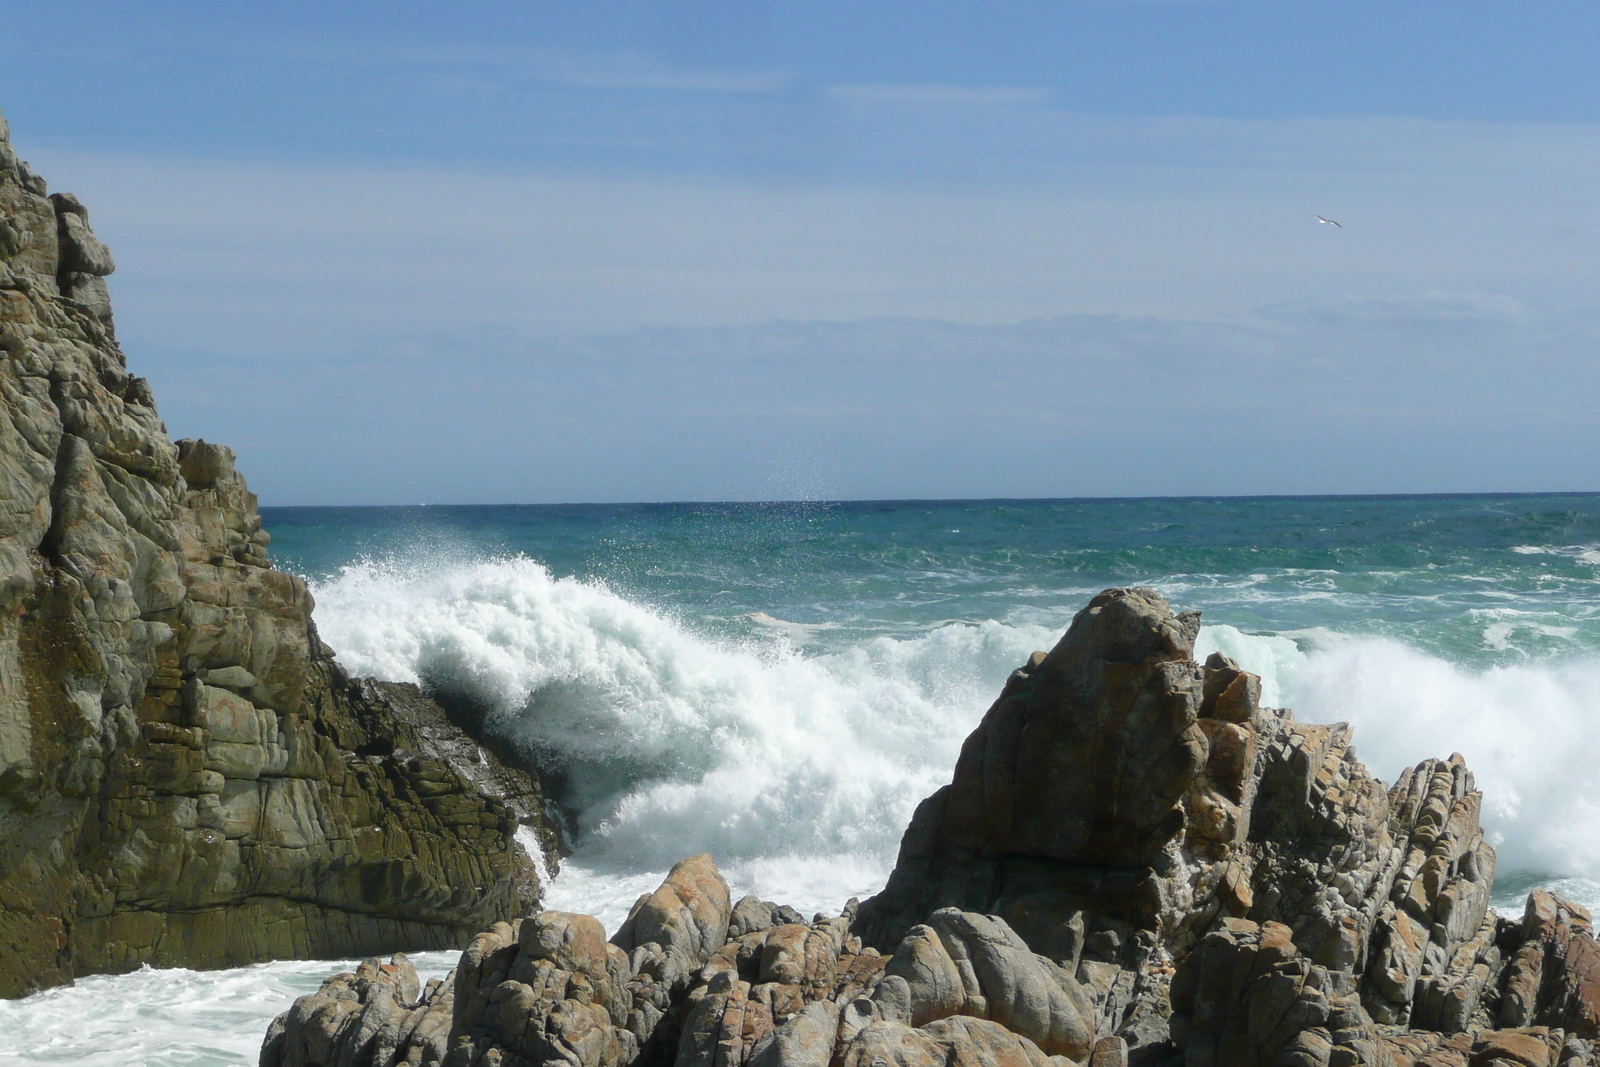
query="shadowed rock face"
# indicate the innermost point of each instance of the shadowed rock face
(1134, 864)
(186, 777)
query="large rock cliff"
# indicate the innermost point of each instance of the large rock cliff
(186, 776)
(1135, 863)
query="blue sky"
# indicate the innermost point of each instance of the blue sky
(411, 252)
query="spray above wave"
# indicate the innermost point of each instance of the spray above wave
(1530, 732)
(672, 741)
(800, 773)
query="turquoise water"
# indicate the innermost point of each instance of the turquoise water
(780, 683)
(1479, 580)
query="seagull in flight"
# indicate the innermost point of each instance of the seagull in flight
(1327, 222)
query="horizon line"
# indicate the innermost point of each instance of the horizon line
(1498, 494)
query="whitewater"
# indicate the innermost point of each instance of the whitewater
(780, 686)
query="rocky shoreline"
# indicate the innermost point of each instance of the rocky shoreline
(187, 778)
(1135, 864)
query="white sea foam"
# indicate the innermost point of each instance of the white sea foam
(798, 773)
(1585, 554)
(1530, 732)
(530, 844)
(167, 1018)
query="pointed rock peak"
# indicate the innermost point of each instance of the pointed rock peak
(1126, 626)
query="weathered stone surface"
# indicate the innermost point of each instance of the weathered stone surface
(379, 1014)
(686, 919)
(960, 963)
(1174, 805)
(1553, 977)
(186, 777)
(1238, 891)
(957, 1040)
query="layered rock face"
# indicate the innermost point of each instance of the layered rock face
(1134, 864)
(186, 777)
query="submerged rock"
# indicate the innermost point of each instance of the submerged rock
(186, 776)
(1134, 864)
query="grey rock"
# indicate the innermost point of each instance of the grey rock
(687, 918)
(961, 963)
(376, 1015)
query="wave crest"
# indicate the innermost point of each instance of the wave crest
(672, 740)
(801, 771)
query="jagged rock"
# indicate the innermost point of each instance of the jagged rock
(1211, 810)
(686, 919)
(378, 1014)
(1553, 977)
(956, 1040)
(186, 777)
(806, 1040)
(966, 964)
(1246, 995)
(551, 988)
(750, 914)
(1234, 890)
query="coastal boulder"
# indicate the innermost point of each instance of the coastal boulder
(960, 963)
(378, 1014)
(686, 920)
(1234, 890)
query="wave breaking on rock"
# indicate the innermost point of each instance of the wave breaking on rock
(1135, 863)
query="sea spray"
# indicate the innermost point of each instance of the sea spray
(798, 772)
(1530, 733)
(171, 1017)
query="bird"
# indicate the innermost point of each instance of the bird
(1328, 222)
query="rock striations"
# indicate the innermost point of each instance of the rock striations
(1134, 864)
(186, 777)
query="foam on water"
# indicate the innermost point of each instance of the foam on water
(167, 1018)
(796, 753)
(797, 772)
(1530, 732)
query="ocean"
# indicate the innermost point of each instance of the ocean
(779, 684)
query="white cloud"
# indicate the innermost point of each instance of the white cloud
(215, 253)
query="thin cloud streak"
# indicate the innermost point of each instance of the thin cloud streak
(1138, 328)
(624, 69)
(1326, 397)
(943, 95)
(216, 251)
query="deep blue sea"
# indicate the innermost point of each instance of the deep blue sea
(780, 684)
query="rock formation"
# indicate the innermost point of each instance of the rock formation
(186, 777)
(1135, 863)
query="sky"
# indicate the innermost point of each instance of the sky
(536, 252)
